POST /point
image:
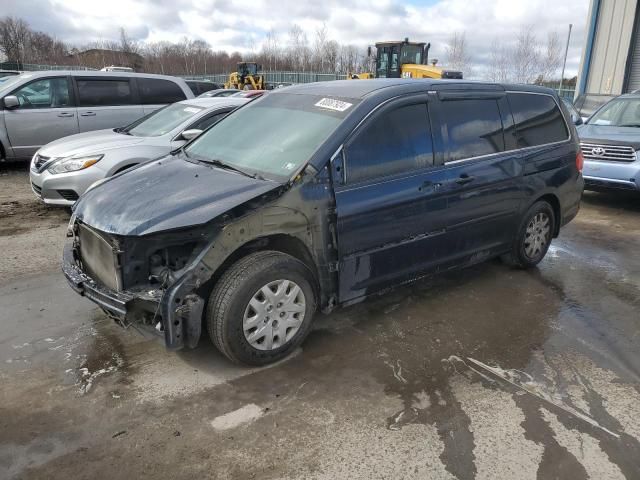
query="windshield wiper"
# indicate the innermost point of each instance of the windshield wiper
(226, 166)
(121, 130)
(636, 125)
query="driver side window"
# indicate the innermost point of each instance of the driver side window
(45, 93)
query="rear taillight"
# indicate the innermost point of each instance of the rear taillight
(579, 160)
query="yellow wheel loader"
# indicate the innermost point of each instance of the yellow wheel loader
(246, 77)
(405, 59)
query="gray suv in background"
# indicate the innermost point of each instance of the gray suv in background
(39, 107)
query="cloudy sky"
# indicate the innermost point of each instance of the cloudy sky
(235, 25)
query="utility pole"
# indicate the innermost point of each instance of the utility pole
(564, 63)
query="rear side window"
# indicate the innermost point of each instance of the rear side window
(474, 128)
(537, 118)
(397, 141)
(205, 123)
(155, 91)
(103, 92)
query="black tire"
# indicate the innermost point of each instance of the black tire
(232, 294)
(521, 255)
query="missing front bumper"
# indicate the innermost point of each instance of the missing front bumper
(180, 322)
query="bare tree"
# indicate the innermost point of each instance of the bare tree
(458, 57)
(14, 34)
(526, 56)
(499, 63)
(551, 59)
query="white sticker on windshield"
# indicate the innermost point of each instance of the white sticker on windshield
(333, 104)
(191, 110)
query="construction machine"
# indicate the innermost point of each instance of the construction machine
(405, 59)
(246, 77)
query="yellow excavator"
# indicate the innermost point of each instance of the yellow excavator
(246, 77)
(405, 59)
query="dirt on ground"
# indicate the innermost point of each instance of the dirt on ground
(31, 233)
(482, 373)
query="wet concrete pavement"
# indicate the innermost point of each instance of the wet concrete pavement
(482, 373)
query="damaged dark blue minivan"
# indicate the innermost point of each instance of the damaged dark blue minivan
(317, 196)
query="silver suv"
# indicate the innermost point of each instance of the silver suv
(610, 142)
(39, 107)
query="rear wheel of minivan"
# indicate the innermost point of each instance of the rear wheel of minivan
(261, 309)
(534, 237)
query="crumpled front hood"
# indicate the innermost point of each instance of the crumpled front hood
(606, 135)
(88, 143)
(166, 194)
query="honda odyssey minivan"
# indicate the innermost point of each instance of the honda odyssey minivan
(318, 196)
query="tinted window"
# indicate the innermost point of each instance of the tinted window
(156, 91)
(537, 118)
(474, 128)
(206, 122)
(103, 92)
(397, 141)
(199, 88)
(46, 93)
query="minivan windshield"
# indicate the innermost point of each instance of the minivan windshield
(272, 136)
(621, 112)
(161, 121)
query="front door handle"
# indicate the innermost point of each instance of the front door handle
(65, 114)
(464, 179)
(88, 114)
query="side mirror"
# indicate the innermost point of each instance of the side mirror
(11, 101)
(191, 133)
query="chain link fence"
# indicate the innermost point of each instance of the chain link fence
(275, 77)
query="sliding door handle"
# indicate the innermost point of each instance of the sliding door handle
(464, 179)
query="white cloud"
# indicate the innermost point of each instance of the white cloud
(233, 25)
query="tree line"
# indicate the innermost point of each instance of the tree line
(525, 59)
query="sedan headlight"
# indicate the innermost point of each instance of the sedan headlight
(73, 164)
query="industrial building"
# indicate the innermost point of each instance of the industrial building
(611, 55)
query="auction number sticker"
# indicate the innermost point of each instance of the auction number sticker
(333, 104)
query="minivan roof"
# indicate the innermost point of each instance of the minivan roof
(364, 88)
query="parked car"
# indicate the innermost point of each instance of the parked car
(198, 87)
(62, 170)
(610, 142)
(321, 195)
(222, 92)
(587, 103)
(39, 107)
(249, 93)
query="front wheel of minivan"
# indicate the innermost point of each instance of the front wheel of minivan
(261, 309)
(534, 237)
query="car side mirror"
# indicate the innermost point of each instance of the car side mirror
(191, 133)
(11, 101)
